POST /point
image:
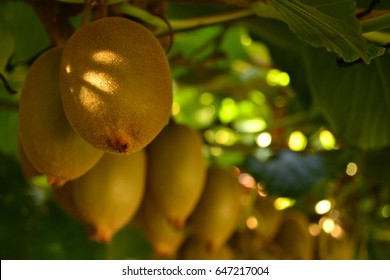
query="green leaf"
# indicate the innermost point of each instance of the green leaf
(30, 35)
(293, 174)
(286, 52)
(355, 99)
(231, 44)
(7, 45)
(381, 5)
(196, 44)
(331, 24)
(375, 167)
(9, 123)
(129, 243)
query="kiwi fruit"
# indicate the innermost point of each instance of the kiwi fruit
(106, 198)
(164, 237)
(116, 85)
(330, 248)
(49, 142)
(293, 236)
(196, 250)
(216, 216)
(64, 199)
(268, 217)
(176, 171)
(28, 169)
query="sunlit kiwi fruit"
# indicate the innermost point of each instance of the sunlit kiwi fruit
(216, 216)
(48, 140)
(176, 171)
(108, 196)
(116, 85)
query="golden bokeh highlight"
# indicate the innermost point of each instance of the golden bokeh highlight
(351, 169)
(264, 139)
(297, 141)
(282, 203)
(323, 206)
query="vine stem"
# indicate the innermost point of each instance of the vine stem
(9, 105)
(6, 85)
(188, 24)
(86, 11)
(137, 12)
(231, 3)
(53, 19)
(181, 25)
(376, 23)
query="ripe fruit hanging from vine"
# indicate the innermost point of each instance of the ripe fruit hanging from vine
(164, 237)
(293, 236)
(195, 250)
(268, 217)
(176, 171)
(108, 196)
(49, 142)
(216, 216)
(115, 84)
(28, 169)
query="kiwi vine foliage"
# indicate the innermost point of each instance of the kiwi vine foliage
(350, 100)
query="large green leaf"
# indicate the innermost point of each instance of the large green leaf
(380, 5)
(286, 52)
(293, 174)
(331, 24)
(355, 99)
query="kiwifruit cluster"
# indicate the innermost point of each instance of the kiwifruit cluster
(108, 90)
(87, 111)
(186, 200)
(272, 233)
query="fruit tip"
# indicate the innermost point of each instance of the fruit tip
(177, 223)
(164, 252)
(100, 235)
(120, 145)
(55, 181)
(212, 247)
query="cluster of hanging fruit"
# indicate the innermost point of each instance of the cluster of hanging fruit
(87, 111)
(108, 90)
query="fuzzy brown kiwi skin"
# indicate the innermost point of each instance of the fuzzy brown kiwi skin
(116, 85)
(47, 138)
(176, 171)
(216, 216)
(28, 169)
(106, 198)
